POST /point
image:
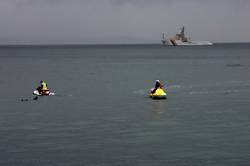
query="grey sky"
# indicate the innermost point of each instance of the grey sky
(121, 21)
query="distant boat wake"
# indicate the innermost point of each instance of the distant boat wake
(141, 91)
(234, 86)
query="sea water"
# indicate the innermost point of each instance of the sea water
(102, 115)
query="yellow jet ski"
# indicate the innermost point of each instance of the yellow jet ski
(159, 94)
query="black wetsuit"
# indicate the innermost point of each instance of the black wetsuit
(39, 89)
(157, 85)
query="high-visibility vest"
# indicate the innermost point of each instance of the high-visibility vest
(44, 86)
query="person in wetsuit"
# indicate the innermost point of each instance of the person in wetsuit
(158, 84)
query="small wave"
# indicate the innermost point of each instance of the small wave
(199, 92)
(63, 95)
(234, 65)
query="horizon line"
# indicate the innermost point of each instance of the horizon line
(103, 44)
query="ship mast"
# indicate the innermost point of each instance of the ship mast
(163, 40)
(182, 35)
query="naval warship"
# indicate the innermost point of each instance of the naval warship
(181, 39)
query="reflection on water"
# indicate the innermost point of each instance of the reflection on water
(158, 108)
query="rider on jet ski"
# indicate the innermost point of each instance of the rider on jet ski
(42, 89)
(158, 84)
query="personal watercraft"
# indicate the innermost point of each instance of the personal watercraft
(43, 93)
(158, 94)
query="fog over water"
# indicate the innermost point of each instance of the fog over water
(121, 21)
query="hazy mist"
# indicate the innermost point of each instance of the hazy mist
(121, 21)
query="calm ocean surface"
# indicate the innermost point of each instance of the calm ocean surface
(101, 115)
